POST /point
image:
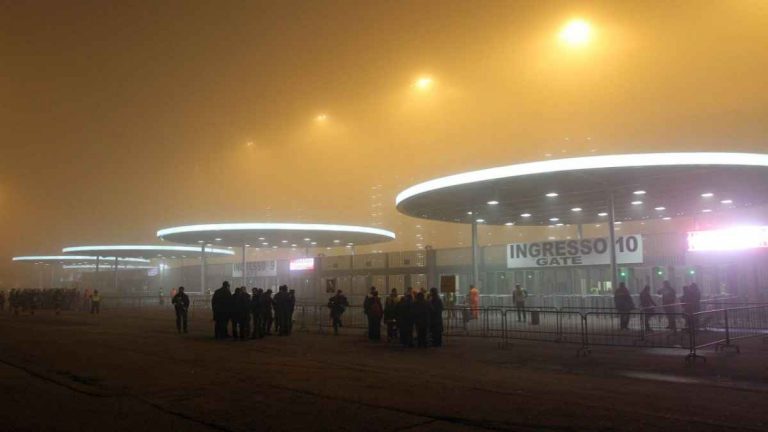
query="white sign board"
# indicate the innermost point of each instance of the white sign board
(729, 239)
(560, 253)
(256, 269)
(300, 264)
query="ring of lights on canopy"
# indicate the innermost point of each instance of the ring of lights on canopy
(74, 259)
(149, 251)
(276, 235)
(576, 190)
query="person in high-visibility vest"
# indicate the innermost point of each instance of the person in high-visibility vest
(474, 301)
(95, 302)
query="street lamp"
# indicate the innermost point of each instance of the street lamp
(576, 32)
(424, 83)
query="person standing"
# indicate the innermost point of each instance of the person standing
(691, 301)
(647, 305)
(337, 304)
(95, 302)
(624, 304)
(374, 312)
(421, 319)
(435, 317)
(282, 310)
(221, 305)
(291, 309)
(390, 315)
(405, 318)
(2, 300)
(474, 301)
(256, 310)
(234, 314)
(266, 311)
(180, 303)
(518, 298)
(242, 303)
(668, 299)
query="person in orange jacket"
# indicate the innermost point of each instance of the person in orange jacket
(474, 301)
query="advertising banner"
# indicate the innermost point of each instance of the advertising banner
(256, 269)
(564, 253)
(301, 264)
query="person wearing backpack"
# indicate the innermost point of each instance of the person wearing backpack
(390, 315)
(337, 304)
(375, 312)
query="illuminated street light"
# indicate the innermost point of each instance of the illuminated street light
(321, 118)
(576, 32)
(424, 83)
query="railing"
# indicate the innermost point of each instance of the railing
(722, 327)
(665, 326)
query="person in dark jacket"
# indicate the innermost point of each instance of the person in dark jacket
(691, 301)
(390, 315)
(282, 304)
(242, 306)
(421, 313)
(668, 299)
(266, 311)
(374, 311)
(181, 304)
(647, 305)
(405, 318)
(435, 317)
(258, 325)
(234, 314)
(291, 308)
(221, 304)
(624, 304)
(337, 304)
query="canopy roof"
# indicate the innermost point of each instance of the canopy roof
(70, 259)
(148, 251)
(577, 190)
(262, 234)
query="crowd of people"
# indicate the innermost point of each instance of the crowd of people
(416, 312)
(689, 303)
(248, 316)
(28, 300)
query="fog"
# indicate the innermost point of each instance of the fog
(120, 119)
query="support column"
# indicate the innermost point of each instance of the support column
(475, 258)
(580, 231)
(612, 241)
(98, 264)
(162, 274)
(202, 270)
(243, 267)
(115, 284)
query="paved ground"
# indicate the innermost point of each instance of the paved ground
(130, 371)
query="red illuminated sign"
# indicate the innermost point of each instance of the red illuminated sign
(735, 238)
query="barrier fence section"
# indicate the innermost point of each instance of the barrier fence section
(662, 327)
(722, 327)
(636, 329)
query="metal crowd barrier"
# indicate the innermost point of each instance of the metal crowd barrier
(662, 327)
(722, 327)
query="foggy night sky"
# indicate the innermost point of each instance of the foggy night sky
(120, 118)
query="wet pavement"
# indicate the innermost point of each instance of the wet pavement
(131, 370)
